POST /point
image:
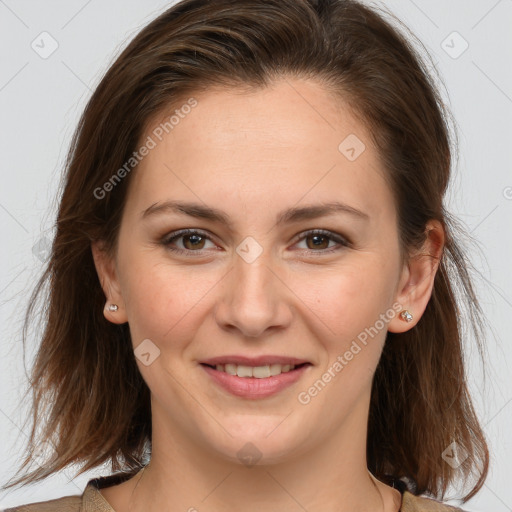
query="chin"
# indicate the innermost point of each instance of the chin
(267, 443)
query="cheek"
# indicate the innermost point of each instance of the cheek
(163, 301)
(348, 298)
(353, 305)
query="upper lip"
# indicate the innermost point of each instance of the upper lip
(253, 361)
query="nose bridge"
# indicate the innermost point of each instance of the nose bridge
(253, 297)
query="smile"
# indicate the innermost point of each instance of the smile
(258, 372)
(255, 382)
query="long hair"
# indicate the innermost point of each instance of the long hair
(90, 403)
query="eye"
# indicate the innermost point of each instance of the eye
(317, 240)
(191, 241)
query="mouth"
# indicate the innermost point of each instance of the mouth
(255, 382)
(257, 372)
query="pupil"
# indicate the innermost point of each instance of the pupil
(317, 239)
(194, 239)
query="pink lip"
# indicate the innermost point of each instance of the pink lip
(253, 361)
(253, 388)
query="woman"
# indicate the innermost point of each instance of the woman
(252, 284)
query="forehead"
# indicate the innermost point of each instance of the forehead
(290, 142)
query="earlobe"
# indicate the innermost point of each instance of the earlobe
(417, 279)
(114, 310)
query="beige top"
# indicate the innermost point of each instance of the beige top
(91, 500)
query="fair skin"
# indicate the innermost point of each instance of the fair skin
(251, 156)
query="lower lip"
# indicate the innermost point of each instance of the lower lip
(252, 387)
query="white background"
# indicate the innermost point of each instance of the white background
(41, 100)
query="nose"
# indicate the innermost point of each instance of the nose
(254, 299)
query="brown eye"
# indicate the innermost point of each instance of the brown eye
(186, 241)
(317, 241)
(193, 241)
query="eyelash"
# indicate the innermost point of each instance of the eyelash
(169, 239)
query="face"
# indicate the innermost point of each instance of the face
(265, 269)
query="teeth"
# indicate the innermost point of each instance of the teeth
(260, 372)
(230, 368)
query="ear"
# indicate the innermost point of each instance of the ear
(417, 279)
(107, 274)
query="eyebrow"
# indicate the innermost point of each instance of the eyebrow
(286, 216)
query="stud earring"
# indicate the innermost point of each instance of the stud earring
(113, 307)
(406, 316)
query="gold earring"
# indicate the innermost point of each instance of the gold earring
(406, 315)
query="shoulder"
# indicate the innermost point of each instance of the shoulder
(90, 500)
(65, 504)
(412, 503)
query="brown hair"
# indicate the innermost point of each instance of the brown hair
(87, 391)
